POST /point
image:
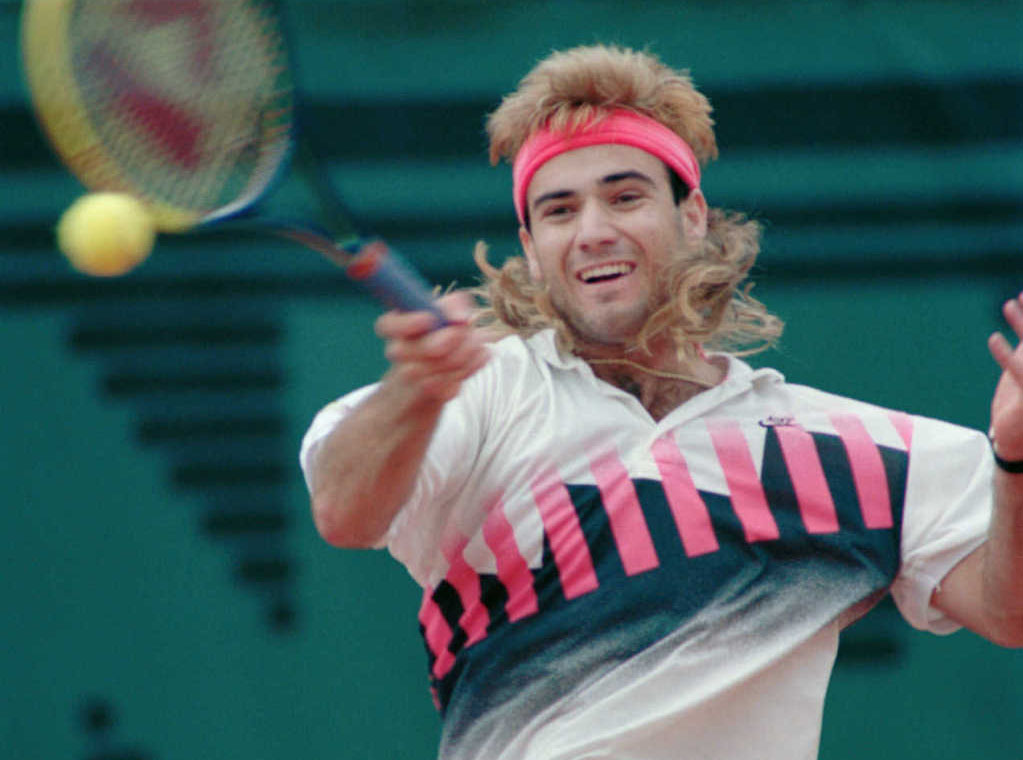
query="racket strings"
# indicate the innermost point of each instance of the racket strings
(195, 111)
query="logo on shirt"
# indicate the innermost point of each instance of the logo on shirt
(778, 421)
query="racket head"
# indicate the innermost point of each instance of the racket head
(187, 105)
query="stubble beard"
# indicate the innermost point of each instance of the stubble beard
(610, 326)
(619, 327)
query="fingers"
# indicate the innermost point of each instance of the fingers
(1001, 349)
(431, 360)
(435, 364)
(444, 349)
(1012, 310)
(457, 307)
(405, 325)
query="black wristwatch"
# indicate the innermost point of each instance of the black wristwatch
(1004, 464)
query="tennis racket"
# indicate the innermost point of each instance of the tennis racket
(190, 106)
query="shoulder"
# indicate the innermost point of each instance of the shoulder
(826, 400)
(917, 432)
(814, 399)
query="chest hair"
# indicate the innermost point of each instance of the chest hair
(659, 396)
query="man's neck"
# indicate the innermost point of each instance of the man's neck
(661, 379)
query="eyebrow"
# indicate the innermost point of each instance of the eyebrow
(610, 179)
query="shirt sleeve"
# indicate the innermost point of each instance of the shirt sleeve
(323, 423)
(949, 500)
(453, 451)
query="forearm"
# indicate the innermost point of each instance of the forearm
(362, 473)
(364, 470)
(984, 592)
(1003, 561)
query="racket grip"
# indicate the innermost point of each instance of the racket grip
(387, 276)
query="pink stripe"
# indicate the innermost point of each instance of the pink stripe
(437, 633)
(571, 553)
(512, 568)
(868, 471)
(466, 583)
(811, 487)
(625, 516)
(687, 506)
(744, 486)
(903, 425)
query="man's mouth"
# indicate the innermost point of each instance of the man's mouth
(605, 272)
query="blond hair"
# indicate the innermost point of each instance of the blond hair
(707, 303)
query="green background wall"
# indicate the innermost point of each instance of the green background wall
(166, 595)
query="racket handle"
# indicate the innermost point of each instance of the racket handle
(385, 275)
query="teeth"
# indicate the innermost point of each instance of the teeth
(604, 271)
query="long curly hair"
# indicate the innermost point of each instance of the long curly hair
(708, 302)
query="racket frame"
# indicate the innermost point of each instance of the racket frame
(62, 114)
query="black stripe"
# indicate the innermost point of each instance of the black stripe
(596, 528)
(450, 605)
(494, 597)
(778, 488)
(661, 523)
(547, 581)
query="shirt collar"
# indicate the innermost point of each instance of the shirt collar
(739, 375)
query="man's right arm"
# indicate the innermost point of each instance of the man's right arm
(363, 471)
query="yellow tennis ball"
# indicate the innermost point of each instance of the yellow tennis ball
(106, 234)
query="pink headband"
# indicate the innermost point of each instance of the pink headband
(619, 128)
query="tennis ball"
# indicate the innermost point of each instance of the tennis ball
(106, 234)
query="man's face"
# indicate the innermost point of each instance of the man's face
(603, 226)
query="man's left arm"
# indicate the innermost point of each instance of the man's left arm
(984, 592)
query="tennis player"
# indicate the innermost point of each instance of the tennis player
(631, 544)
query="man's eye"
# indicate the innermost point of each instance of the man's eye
(627, 197)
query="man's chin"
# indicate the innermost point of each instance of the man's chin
(607, 327)
(615, 335)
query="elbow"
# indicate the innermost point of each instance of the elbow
(339, 524)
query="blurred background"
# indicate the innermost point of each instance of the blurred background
(167, 596)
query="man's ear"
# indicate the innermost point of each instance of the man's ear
(694, 215)
(526, 240)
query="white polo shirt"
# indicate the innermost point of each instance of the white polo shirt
(598, 583)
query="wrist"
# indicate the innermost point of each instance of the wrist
(1014, 466)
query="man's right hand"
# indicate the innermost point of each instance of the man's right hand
(428, 362)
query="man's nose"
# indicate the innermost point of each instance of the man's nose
(596, 229)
